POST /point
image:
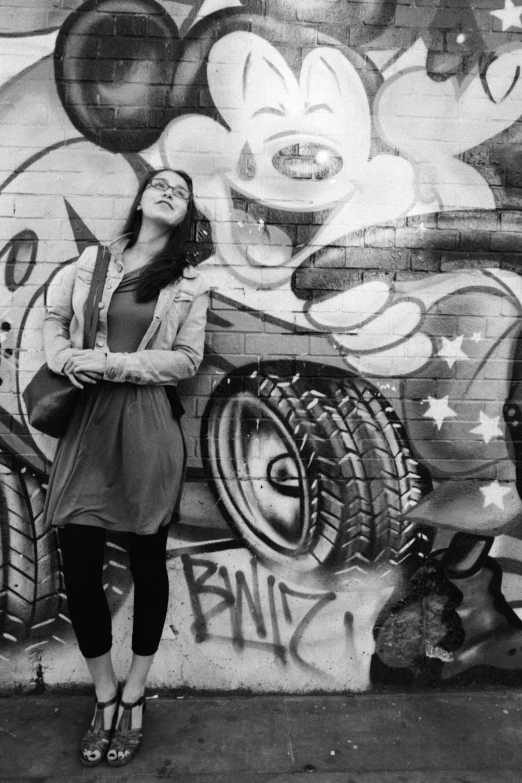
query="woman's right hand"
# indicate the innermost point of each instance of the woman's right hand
(78, 378)
(75, 378)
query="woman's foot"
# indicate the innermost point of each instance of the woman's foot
(127, 735)
(95, 741)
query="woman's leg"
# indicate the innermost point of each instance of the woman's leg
(104, 678)
(151, 597)
(82, 550)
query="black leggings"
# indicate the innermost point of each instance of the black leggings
(83, 550)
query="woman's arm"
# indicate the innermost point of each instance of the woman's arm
(56, 328)
(56, 338)
(162, 366)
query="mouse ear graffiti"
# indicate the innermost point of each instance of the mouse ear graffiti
(114, 62)
(352, 177)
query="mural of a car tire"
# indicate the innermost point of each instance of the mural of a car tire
(313, 470)
(33, 605)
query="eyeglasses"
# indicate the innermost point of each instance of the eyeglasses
(177, 190)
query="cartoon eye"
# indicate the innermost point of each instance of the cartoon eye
(277, 110)
(319, 107)
(22, 250)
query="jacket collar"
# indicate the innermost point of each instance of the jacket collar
(117, 246)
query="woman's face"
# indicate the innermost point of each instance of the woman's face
(165, 200)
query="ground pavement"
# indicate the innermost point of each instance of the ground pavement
(464, 737)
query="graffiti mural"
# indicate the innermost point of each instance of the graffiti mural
(352, 515)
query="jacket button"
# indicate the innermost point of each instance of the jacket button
(101, 305)
(100, 343)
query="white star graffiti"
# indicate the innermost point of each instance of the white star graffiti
(452, 350)
(509, 16)
(494, 494)
(476, 337)
(439, 410)
(488, 427)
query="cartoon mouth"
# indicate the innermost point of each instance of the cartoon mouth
(307, 161)
(265, 216)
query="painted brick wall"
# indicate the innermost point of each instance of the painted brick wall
(352, 512)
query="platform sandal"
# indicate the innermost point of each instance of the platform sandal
(125, 739)
(96, 739)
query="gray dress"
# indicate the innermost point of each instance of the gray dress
(120, 464)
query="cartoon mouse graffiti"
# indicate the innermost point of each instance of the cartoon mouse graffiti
(303, 145)
(292, 145)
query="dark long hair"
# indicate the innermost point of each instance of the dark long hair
(166, 266)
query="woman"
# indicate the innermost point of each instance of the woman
(120, 464)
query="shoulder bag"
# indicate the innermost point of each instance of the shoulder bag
(50, 399)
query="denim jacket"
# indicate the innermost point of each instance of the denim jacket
(172, 347)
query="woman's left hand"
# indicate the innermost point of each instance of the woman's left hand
(88, 361)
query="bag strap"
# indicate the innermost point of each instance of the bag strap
(92, 310)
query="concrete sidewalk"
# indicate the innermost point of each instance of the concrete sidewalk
(423, 738)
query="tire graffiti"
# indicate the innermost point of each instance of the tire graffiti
(33, 605)
(313, 472)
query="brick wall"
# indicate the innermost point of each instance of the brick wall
(352, 497)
